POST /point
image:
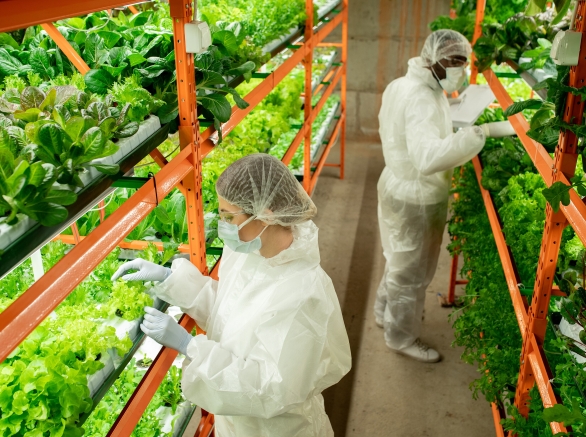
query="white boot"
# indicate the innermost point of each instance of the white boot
(419, 351)
(379, 322)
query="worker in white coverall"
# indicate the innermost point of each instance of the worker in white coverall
(275, 334)
(420, 150)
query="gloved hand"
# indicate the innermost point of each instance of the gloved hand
(147, 271)
(165, 330)
(498, 129)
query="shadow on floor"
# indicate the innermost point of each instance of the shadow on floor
(339, 397)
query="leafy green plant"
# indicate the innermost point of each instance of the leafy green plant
(141, 102)
(28, 189)
(127, 301)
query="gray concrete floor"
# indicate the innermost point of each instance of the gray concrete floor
(386, 394)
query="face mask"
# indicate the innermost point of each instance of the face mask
(229, 233)
(455, 77)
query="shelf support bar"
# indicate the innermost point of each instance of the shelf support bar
(564, 165)
(66, 48)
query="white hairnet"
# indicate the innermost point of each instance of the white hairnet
(263, 186)
(443, 44)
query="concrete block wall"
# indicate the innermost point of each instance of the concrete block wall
(382, 36)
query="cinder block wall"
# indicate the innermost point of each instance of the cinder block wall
(383, 35)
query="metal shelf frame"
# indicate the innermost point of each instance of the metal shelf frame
(532, 319)
(184, 172)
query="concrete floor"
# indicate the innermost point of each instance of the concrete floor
(386, 394)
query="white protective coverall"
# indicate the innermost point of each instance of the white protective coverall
(275, 339)
(420, 151)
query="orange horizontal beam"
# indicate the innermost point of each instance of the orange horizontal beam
(16, 14)
(34, 305)
(519, 303)
(330, 44)
(326, 94)
(575, 212)
(290, 153)
(538, 154)
(132, 245)
(139, 401)
(325, 154)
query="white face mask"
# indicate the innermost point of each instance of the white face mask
(455, 77)
(229, 233)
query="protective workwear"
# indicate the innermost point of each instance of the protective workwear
(498, 129)
(261, 185)
(420, 151)
(444, 44)
(147, 271)
(275, 339)
(165, 330)
(421, 352)
(229, 234)
(455, 77)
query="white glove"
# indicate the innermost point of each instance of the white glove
(498, 129)
(147, 271)
(165, 330)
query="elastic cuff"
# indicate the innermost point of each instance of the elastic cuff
(186, 340)
(168, 273)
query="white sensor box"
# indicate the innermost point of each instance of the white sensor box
(197, 37)
(565, 49)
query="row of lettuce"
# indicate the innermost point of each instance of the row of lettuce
(56, 125)
(269, 128)
(521, 32)
(44, 382)
(486, 325)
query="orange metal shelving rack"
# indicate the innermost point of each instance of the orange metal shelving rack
(184, 172)
(532, 319)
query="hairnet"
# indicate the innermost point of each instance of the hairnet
(443, 44)
(263, 186)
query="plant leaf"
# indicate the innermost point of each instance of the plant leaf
(218, 105)
(522, 105)
(41, 64)
(98, 81)
(31, 97)
(109, 169)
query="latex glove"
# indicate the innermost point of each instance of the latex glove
(147, 271)
(498, 129)
(165, 330)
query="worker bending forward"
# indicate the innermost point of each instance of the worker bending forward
(420, 151)
(275, 334)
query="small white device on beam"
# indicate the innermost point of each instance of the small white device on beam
(197, 37)
(565, 49)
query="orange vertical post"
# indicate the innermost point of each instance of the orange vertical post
(480, 7)
(66, 48)
(343, 88)
(564, 165)
(182, 13)
(308, 61)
